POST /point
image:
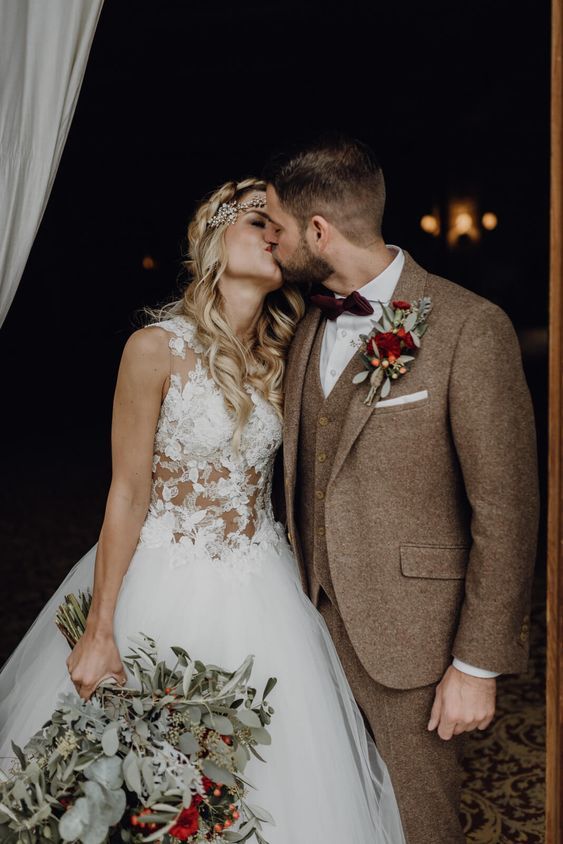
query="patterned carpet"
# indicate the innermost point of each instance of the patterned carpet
(47, 525)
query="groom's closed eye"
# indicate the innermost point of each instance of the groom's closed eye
(273, 223)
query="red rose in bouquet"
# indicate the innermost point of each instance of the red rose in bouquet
(187, 823)
(207, 783)
(398, 303)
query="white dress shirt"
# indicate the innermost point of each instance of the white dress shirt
(341, 341)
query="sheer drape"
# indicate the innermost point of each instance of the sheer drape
(44, 47)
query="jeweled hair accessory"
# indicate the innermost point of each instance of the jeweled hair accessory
(229, 211)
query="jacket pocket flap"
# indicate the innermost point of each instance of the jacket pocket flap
(441, 561)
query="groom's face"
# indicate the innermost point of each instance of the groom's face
(299, 264)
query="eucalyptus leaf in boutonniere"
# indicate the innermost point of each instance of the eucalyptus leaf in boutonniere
(385, 350)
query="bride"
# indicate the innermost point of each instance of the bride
(190, 552)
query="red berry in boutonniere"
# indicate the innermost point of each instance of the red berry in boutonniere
(383, 351)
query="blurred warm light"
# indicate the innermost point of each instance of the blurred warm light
(148, 263)
(489, 221)
(430, 224)
(463, 223)
(463, 220)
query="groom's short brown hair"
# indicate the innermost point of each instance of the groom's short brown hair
(337, 177)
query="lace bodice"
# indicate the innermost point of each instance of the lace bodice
(206, 499)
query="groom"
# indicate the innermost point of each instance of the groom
(414, 520)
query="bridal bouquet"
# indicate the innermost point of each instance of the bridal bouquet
(163, 762)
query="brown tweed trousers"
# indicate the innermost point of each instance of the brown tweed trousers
(415, 526)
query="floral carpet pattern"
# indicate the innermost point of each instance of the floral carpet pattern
(47, 526)
(504, 794)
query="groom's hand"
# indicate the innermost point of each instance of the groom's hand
(462, 703)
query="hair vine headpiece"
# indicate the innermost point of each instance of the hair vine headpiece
(229, 211)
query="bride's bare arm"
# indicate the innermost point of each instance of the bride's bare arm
(136, 406)
(141, 379)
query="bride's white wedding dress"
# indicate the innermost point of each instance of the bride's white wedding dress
(213, 572)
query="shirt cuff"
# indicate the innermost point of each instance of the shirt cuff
(471, 669)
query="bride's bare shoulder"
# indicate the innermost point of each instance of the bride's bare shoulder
(146, 351)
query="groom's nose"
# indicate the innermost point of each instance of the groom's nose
(271, 233)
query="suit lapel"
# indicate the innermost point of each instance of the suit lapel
(295, 376)
(410, 286)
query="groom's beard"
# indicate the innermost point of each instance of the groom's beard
(304, 267)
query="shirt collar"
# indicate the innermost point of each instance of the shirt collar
(382, 286)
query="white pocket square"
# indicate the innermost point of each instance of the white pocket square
(409, 397)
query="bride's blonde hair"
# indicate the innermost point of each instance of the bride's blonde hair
(261, 363)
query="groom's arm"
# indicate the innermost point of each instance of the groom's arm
(492, 423)
(493, 428)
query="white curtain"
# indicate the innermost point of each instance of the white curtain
(44, 47)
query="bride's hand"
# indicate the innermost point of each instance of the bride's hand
(94, 658)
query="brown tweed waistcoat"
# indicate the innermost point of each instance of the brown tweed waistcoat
(320, 425)
(430, 508)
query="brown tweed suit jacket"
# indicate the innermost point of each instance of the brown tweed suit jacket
(432, 506)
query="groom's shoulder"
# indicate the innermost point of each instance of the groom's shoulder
(452, 299)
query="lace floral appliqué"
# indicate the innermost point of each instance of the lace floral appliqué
(207, 501)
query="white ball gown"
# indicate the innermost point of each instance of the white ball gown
(213, 572)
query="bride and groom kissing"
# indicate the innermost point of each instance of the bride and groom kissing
(379, 562)
(413, 518)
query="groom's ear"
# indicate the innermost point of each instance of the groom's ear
(319, 232)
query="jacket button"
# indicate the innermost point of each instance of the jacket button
(321, 531)
(320, 494)
(322, 457)
(323, 421)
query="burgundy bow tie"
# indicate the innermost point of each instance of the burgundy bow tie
(332, 307)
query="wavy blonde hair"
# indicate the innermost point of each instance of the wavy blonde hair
(231, 363)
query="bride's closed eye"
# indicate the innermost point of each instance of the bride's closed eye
(259, 223)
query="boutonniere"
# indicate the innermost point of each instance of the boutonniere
(383, 350)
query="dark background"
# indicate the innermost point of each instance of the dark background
(178, 97)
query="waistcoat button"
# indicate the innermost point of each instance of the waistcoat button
(320, 494)
(323, 420)
(322, 457)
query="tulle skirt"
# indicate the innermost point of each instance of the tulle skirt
(324, 781)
